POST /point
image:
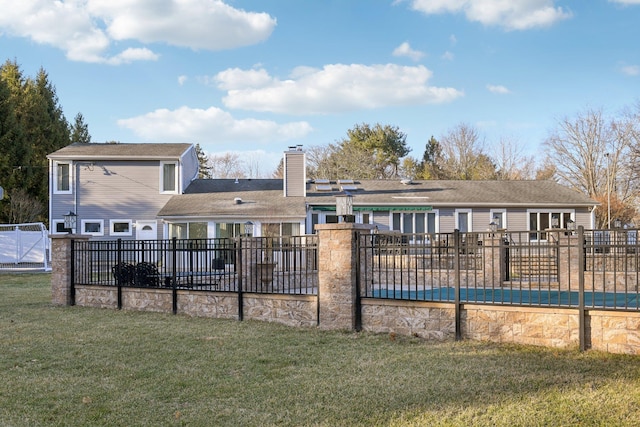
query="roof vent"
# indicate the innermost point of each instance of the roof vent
(406, 181)
(237, 200)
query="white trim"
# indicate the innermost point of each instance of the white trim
(435, 212)
(176, 178)
(469, 219)
(112, 223)
(92, 221)
(54, 227)
(56, 164)
(502, 213)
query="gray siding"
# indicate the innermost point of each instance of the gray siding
(517, 219)
(294, 174)
(189, 169)
(109, 190)
(381, 220)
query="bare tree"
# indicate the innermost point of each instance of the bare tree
(511, 162)
(23, 207)
(591, 154)
(463, 155)
(227, 165)
(252, 167)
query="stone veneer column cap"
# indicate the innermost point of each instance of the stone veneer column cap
(70, 236)
(344, 226)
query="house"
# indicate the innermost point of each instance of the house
(119, 189)
(116, 190)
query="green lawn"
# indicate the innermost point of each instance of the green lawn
(77, 366)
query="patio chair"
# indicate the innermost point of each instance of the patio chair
(147, 275)
(124, 273)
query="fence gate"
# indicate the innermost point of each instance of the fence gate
(24, 247)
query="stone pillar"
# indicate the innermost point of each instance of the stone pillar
(494, 259)
(569, 267)
(61, 267)
(337, 265)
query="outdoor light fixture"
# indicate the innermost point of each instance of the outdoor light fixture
(248, 228)
(617, 223)
(344, 207)
(70, 219)
(571, 225)
(493, 226)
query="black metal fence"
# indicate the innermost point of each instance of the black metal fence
(266, 265)
(556, 268)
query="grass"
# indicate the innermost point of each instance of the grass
(68, 366)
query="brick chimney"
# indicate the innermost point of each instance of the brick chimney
(295, 172)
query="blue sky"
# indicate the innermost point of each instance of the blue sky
(255, 77)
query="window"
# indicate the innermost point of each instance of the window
(414, 222)
(197, 230)
(543, 220)
(463, 220)
(92, 227)
(120, 227)
(277, 229)
(230, 229)
(499, 217)
(58, 226)
(168, 177)
(62, 178)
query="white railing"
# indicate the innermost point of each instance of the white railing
(24, 247)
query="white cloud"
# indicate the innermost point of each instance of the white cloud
(182, 80)
(236, 78)
(630, 70)
(211, 126)
(449, 56)
(405, 50)
(197, 24)
(499, 89)
(334, 88)
(129, 55)
(626, 2)
(511, 15)
(87, 29)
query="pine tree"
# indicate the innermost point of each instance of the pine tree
(80, 130)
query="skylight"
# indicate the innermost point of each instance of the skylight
(348, 187)
(323, 187)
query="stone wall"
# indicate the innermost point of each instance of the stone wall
(614, 331)
(292, 310)
(546, 327)
(434, 321)
(337, 305)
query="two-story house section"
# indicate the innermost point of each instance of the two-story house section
(116, 190)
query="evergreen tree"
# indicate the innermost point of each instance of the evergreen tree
(80, 130)
(204, 169)
(33, 125)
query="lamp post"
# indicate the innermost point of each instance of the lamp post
(344, 207)
(493, 228)
(571, 226)
(248, 228)
(608, 190)
(70, 220)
